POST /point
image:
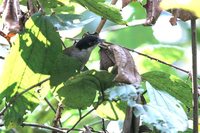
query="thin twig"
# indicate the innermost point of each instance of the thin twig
(51, 106)
(1, 57)
(153, 58)
(83, 116)
(103, 20)
(100, 26)
(130, 24)
(81, 119)
(60, 130)
(13, 99)
(160, 61)
(194, 76)
(80, 113)
(58, 116)
(103, 126)
(44, 127)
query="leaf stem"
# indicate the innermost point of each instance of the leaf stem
(103, 20)
(44, 127)
(54, 110)
(194, 76)
(83, 116)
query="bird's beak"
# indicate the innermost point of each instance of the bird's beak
(100, 41)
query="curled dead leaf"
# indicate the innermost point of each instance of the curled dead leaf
(11, 16)
(107, 59)
(181, 14)
(122, 61)
(153, 11)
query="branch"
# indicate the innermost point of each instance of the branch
(130, 24)
(103, 125)
(103, 20)
(194, 76)
(44, 127)
(51, 106)
(160, 61)
(80, 118)
(152, 58)
(6, 37)
(13, 99)
(60, 130)
(58, 116)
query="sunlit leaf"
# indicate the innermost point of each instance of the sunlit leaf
(30, 60)
(126, 94)
(15, 114)
(112, 110)
(107, 11)
(171, 84)
(191, 5)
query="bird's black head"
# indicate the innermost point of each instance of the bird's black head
(88, 41)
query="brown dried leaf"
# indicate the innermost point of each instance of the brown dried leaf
(182, 14)
(127, 72)
(153, 11)
(107, 59)
(122, 61)
(11, 16)
(125, 3)
(3, 6)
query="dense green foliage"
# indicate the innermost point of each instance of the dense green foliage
(36, 55)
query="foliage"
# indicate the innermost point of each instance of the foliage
(171, 84)
(38, 76)
(191, 5)
(160, 112)
(102, 9)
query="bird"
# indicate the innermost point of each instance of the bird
(82, 49)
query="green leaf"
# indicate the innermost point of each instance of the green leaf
(14, 116)
(112, 110)
(79, 92)
(64, 68)
(40, 44)
(164, 111)
(107, 11)
(171, 84)
(30, 60)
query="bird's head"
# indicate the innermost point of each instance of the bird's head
(88, 41)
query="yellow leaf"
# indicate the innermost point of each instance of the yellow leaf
(191, 5)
